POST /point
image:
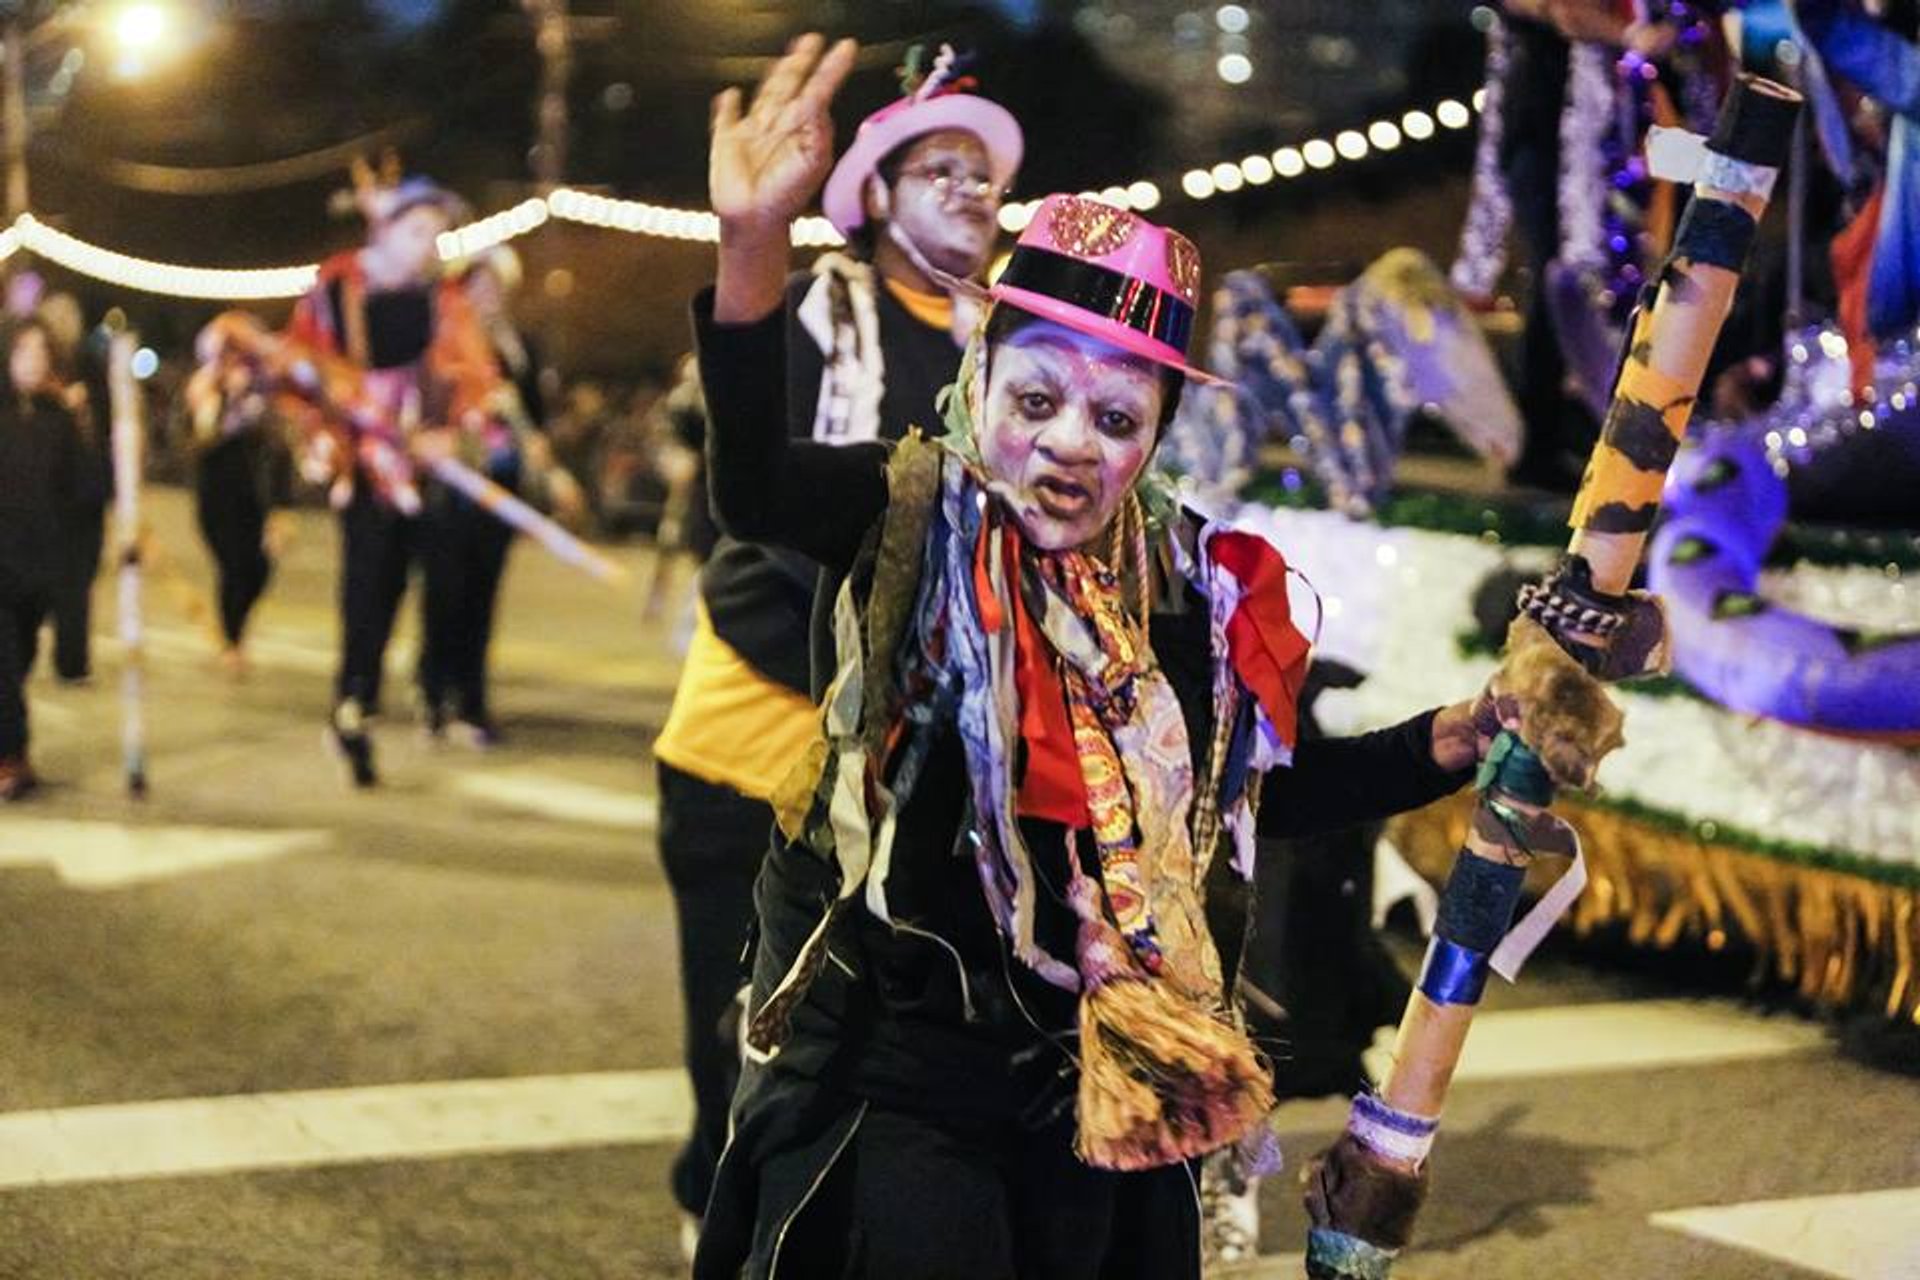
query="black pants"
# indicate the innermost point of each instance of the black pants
(465, 556)
(21, 613)
(937, 1199)
(72, 603)
(712, 841)
(233, 520)
(378, 546)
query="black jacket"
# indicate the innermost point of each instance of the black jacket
(45, 480)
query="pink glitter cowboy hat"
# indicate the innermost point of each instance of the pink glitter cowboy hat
(1109, 273)
(936, 104)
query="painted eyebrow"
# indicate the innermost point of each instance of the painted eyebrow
(1064, 346)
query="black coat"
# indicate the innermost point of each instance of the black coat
(46, 480)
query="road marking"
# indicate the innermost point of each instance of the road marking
(108, 855)
(1631, 1035)
(1268, 1266)
(189, 1136)
(1864, 1236)
(548, 795)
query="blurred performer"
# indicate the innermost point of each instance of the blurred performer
(83, 389)
(467, 555)
(242, 472)
(427, 360)
(43, 481)
(872, 336)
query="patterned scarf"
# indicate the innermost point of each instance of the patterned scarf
(1166, 1073)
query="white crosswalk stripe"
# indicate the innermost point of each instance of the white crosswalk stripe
(1628, 1035)
(548, 795)
(1869, 1235)
(108, 855)
(188, 1136)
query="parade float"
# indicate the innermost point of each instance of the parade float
(1767, 801)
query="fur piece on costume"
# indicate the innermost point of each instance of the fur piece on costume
(1567, 716)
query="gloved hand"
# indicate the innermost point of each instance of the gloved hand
(1356, 1192)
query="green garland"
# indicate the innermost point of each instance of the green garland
(1516, 522)
(1711, 831)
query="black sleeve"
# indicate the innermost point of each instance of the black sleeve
(819, 500)
(1336, 782)
(806, 364)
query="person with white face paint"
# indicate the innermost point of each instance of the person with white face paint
(873, 333)
(428, 365)
(987, 1030)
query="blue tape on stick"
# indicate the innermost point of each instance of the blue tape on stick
(1477, 905)
(1335, 1255)
(1713, 232)
(1453, 974)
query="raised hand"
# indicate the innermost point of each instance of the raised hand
(766, 162)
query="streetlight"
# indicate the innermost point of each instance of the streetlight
(143, 32)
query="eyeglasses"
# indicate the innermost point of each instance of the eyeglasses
(948, 183)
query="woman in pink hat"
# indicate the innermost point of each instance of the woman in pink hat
(987, 1032)
(874, 333)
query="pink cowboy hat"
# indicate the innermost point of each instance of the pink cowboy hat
(929, 109)
(1108, 273)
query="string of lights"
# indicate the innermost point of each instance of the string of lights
(698, 225)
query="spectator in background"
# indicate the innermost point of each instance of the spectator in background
(80, 380)
(43, 481)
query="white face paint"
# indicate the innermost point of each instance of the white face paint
(1070, 422)
(936, 201)
(406, 250)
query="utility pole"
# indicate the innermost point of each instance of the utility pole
(14, 118)
(553, 37)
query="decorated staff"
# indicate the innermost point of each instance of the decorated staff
(129, 439)
(1550, 721)
(328, 396)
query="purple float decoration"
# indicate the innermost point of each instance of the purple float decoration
(1725, 504)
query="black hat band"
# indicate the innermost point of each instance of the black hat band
(1122, 298)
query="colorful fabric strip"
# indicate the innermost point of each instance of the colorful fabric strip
(1335, 1255)
(1393, 1133)
(1453, 974)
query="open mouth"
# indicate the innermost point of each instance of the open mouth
(1061, 498)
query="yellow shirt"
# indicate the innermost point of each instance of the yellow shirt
(935, 310)
(731, 725)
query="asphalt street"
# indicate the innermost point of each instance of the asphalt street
(256, 1025)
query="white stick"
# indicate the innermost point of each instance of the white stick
(129, 447)
(504, 506)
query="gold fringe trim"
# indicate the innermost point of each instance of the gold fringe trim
(1162, 1081)
(1838, 940)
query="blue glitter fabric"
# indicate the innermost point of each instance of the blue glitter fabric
(1334, 1255)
